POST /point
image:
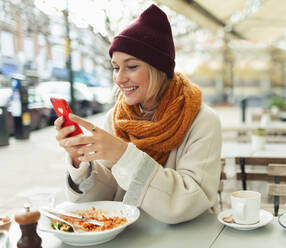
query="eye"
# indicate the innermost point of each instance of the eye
(115, 68)
(132, 67)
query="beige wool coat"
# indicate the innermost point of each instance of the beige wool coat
(185, 188)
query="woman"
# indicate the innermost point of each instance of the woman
(160, 147)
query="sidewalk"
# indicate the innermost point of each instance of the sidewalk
(33, 166)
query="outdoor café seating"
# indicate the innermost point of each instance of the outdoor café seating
(275, 189)
(219, 175)
(254, 162)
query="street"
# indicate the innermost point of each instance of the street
(32, 166)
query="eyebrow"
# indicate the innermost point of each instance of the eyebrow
(125, 60)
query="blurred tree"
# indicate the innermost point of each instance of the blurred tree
(115, 15)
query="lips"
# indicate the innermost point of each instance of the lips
(129, 90)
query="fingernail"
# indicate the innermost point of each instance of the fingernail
(71, 115)
(72, 128)
(66, 143)
(79, 152)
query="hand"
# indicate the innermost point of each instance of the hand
(63, 133)
(100, 145)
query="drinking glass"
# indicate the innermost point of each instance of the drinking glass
(39, 200)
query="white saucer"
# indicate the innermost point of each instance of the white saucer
(282, 220)
(265, 218)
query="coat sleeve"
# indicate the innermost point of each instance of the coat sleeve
(91, 181)
(179, 194)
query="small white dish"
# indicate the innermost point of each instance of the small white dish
(110, 208)
(5, 223)
(265, 218)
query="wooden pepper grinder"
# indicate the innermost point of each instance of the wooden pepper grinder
(28, 224)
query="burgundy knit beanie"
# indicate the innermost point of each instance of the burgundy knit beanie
(150, 39)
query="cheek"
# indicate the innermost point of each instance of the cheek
(114, 77)
(145, 93)
(146, 84)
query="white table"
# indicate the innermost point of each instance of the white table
(272, 151)
(269, 236)
(236, 149)
(203, 232)
(147, 232)
(242, 149)
(274, 126)
(243, 131)
(275, 151)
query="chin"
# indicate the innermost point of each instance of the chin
(130, 101)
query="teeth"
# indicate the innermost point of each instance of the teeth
(129, 89)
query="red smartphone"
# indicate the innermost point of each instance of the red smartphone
(62, 108)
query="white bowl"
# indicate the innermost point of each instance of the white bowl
(113, 208)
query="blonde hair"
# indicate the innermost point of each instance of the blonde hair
(159, 82)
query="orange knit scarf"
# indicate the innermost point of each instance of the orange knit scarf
(173, 118)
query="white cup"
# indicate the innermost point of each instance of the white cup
(245, 206)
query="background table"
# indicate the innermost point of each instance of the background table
(242, 149)
(147, 232)
(243, 131)
(241, 152)
(273, 126)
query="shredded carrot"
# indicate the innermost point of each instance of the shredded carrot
(109, 222)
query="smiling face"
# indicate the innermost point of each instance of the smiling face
(133, 78)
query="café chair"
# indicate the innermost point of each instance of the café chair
(222, 177)
(246, 175)
(276, 190)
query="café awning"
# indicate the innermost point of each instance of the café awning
(262, 20)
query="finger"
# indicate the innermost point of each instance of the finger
(90, 157)
(64, 132)
(87, 149)
(77, 140)
(59, 122)
(86, 124)
(73, 149)
(63, 142)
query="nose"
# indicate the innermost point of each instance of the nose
(120, 77)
